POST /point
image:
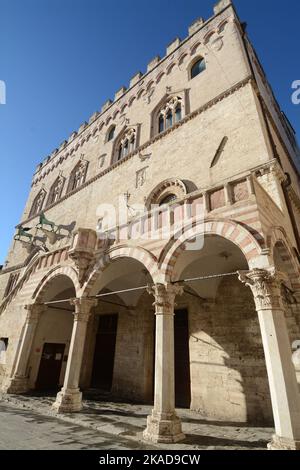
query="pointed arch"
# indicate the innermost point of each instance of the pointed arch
(78, 175)
(38, 203)
(56, 191)
(227, 229)
(125, 143)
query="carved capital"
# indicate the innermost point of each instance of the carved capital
(82, 252)
(265, 286)
(164, 295)
(34, 311)
(83, 308)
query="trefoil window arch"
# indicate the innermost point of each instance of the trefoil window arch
(170, 114)
(78, 176)
(56, 191)
(38, 203)
(127, 144)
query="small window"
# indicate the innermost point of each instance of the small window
(3, 349)
(198, 68)
(126, 148)
(167, 199)
(178, 114)
(161, 124)
(169, 120)
(111, 133)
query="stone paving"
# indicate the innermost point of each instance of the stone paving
(28, 421)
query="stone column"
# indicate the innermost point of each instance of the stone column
(69, 399)
(163, 425)
(285, 397)
(18, 382)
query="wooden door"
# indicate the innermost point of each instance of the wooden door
(50, 366)
(182, 360)
(104, 356)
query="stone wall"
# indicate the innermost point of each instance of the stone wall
(228, 374)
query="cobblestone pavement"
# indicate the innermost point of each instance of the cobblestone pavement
(28, 422)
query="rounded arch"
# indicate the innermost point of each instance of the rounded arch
(196, 66)
(65, 271)
(195, 47)
(138, 254)
(110, 133)
(171, 186)
(283, 255)
(227, 229)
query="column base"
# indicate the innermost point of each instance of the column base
(16, 385)
(68, 401)
(164, 428)
(282, 443)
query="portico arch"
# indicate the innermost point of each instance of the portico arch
(229, 230)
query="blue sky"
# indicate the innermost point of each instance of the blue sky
(62, 59)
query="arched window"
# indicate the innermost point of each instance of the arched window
(178, 114)
(161, 123)
(111, 133)
(38, 203)
(56, 191)
(78, 175)
(198, 67)
(167, 199)
(170, 114)
(127, 144)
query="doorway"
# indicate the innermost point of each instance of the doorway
(104, 356)
(50, 366)
(182, 360)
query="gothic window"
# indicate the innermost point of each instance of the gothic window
(170, 114)
(198, 67)
(78, 175)
(37, 203)
(55, 191)
(126, 144)
(111, 133)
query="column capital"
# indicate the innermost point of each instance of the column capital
(265, 285)
(34, 312)
(164, 295)
(83, 307)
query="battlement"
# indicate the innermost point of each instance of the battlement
(197, 25)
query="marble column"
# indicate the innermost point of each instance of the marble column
(69, 399)
(19, 381)
(163, 425)
(285, 397)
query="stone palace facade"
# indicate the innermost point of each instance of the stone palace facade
(189, 295)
